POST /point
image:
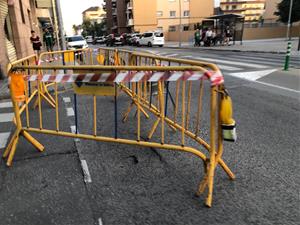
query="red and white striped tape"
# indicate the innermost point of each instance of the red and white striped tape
(216, 78)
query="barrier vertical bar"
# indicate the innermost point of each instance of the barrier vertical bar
(116, 112)
(176, 100)
(167, 94)
(188, 105)
(183, 113)
(26, 105)
(40, 104)
(199, 107)
(56, 104)
(76, 116)
(95, 115)
(212, 152)
(138, 111)
(162, 114)
(151, 90)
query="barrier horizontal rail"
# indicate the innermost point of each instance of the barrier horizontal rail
(149, 88)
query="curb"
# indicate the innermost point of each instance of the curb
(227, 50)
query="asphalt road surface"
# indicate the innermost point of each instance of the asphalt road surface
(87, 182)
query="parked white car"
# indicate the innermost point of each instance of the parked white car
(76, 42)
(89, 39)
(152, 39)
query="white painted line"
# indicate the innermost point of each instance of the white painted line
(86, 172)
(6, 117)
(253, 75)
(276, 86)
(67, 100)
(3, 139)
(5, 105)
(73, 129)
(100, 221)
(231, 62)
(171, 55)
(70, 112)
(229, 68)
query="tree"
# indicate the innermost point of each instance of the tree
(283, 9)
(76, 28)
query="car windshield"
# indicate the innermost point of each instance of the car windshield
(75, 38)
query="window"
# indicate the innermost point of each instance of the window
(234, 7)
(172, 13)
(186, 13)
(172, 28)
(146, 35)
(185, 28)
(227, 7)
(22, 12)
(159, 13)
(160, 28)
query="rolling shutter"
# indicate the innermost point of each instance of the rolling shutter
(10, 48)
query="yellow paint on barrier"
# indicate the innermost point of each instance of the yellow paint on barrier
(69, 57)
(100, 59)
(17, 86)
(93, 88)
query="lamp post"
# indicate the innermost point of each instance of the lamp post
(180, 23)
(288, 36)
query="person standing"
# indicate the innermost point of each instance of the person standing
(48, 40)
(197, 36)
(227, 36)
(208, 36)
(36, 43)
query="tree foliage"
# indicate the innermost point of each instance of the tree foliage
(283, 9)
(93, 29)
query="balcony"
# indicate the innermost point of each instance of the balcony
(130, 22)
(43, 3)
(114, 12)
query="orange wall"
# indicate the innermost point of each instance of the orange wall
(144, 14)
(200, 8)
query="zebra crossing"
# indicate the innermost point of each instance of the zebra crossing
(246, 66)
(6, 118)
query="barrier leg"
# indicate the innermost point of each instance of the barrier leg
(12, 151)
(33, 141)
(8, 148)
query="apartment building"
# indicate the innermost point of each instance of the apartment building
(93, 14)
(253, 10)
(170, 13)
(17, 19)
(123, 16)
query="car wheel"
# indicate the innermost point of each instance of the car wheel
(161, 46)
(149, 44)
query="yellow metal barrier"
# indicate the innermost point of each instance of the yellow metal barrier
(148, 81)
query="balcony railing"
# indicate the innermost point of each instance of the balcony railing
(130, 5)
(130, 22)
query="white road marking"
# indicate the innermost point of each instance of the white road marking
(5, 105)
(6, 117)
(3, 139)
(229, 68)
(67, 100)
(86, 172)
(253, 75)
(100, 221)
(232, 62)
(70, 112)
(276, 86)
(171, 55)
(73, 129)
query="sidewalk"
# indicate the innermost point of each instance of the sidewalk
(278, 45)
(4, 92)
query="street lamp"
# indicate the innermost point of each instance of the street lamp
(288, 33)
(180, 23)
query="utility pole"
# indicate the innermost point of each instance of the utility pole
(61, 25)
(288, 36)
(55, 23)
(180, 24)
(288, 32)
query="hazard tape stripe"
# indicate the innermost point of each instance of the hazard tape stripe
(216, 78)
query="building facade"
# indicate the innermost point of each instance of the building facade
(125, 16)
(170, 13)
(17, 19)
(144, 15)
(93, 14)
(253, 10)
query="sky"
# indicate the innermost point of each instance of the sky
(72, 11)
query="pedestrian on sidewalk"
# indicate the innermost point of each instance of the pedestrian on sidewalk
(208, 37)
(36, 43)
(227, 36)
(49, 42)
(197, 38)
